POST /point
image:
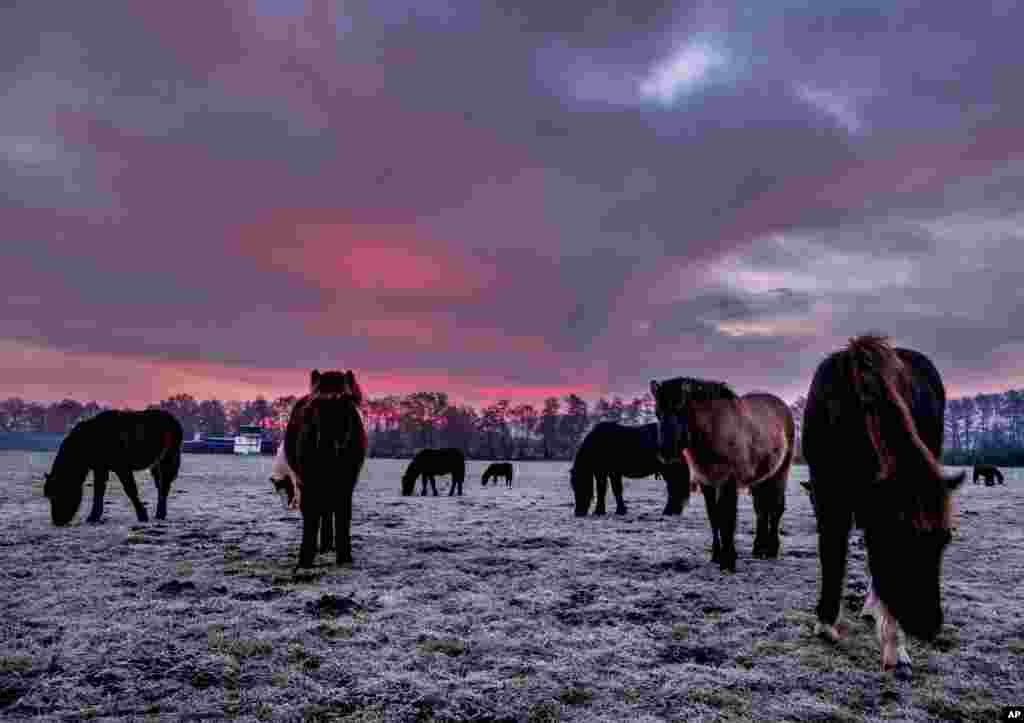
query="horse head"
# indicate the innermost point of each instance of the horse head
(409, 479)
(670, 399)
(63, 488)
(336, 383)
(906, 531)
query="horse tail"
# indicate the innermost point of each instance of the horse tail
(882, 384)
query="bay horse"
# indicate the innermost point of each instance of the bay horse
(989, 473)
(121, 442)
(609, 452)
(726, 443)
(325, 447)
(431, 462)
(496, 470)
(872, 437)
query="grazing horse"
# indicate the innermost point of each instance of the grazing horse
(429, 463)
(989, 473)
(496, 470)
(727, 443)
(613, 451)
(325, 446)
(115, 441)
(872, 437)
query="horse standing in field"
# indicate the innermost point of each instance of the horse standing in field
(325, 447)
(611, 451)
(115, 441)
(726, 443)
(496, 470)
(872, 437)
(429, 463)
(989, 473)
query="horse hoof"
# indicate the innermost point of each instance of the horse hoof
(903, 671)
(599, 512)
(620, 512)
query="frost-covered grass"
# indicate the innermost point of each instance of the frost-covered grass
(496, 606)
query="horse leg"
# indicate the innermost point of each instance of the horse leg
(893, 644)
(871, 602)
(620, 504)
(99, 488)
(725, 511)
(310, 525)
(343, 528)
(327, 531)
(423, 491)
(164, 473)
(710, 495)
(128, 482)
(834, 521)
(433, 484)
(769, 504)
(602, 490)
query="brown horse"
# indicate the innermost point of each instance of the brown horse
(872, 437)
(727, 443)
(121, 442)
(325, 447)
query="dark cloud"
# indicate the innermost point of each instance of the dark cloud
(793, 181)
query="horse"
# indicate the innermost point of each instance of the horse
(431, 462)
(872, 437)
(726, 443)
(115, 441)
(325, 445)
(611, 451)
(284, 481)
(495, 470)
(989, 473)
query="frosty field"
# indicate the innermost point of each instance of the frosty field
(499, 605)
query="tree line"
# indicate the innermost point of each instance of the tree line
(984, 428)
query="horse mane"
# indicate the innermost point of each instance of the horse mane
(882, 385)
(700, 390)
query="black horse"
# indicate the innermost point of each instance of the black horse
(121, 442)
(496, 470)
(611, 451)
(872, 437)
(989, 473)
(431, 462)
(325, 445)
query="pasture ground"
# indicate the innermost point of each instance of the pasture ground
(498, 606)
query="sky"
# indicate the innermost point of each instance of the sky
(504, 199)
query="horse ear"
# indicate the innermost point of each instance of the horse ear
(955, 481)
(654, 388)
(314, 378)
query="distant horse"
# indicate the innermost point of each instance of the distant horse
(429, 463)
(727, 443)
(989, 473)
(285, 481)
(611, 451)
(115, 441)
(496, 470)
(872, 436)
(325, 446)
